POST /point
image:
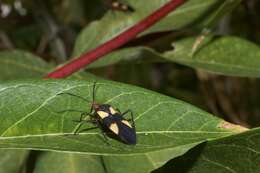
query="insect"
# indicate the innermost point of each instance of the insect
(118, 6)
(110, 119)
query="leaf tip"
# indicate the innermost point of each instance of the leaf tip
(229, 126)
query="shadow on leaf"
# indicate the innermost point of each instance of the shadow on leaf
(184, 163)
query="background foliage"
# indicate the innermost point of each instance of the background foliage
(175, 132)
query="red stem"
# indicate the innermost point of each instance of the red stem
(114, 43)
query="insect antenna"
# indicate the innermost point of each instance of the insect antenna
(77, 96)
(93, 92)
(74, 95)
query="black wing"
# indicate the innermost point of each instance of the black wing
(126, 133)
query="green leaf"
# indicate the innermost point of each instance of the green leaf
(12, 161)
(234, 154)
(124, 56)
(225, 8)
(224, 55)
(34, 115)
(128, 164)
(114, 23)
(18, 64)
(143, 163)
(68, 163)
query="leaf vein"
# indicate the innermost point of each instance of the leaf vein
(38, 108)
(219, 164)
(178, 119)
(152, 107)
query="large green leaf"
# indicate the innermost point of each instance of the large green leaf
(234, 154)
(68, 163)
(18, 64)
(12, 161)
(143, 163)
(34, 117)
(223, 55)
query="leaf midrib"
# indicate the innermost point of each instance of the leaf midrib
(97, 133)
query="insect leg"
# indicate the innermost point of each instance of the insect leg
(81, 121)
(124, 113)
(103, 133)
(77, 128)
(81, 117)
(97, 126)
(105, 138)
(118, 111)
(75, 131)
(91, 128)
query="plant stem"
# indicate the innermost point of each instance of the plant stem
(115, 42)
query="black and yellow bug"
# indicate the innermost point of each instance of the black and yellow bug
(107, 118)
(119, 6)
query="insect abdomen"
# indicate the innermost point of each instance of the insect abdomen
(121, 128)
(127, 134)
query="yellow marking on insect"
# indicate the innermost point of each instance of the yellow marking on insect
(115, 4)
(102, 114)
(126, 123)
(112, 110)
(114, 128)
